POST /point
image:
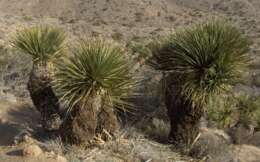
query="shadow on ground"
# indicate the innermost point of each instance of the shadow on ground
(8, 132)
(14, 119)
(14, 153)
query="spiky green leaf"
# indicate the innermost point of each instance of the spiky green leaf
(41, 42)
(204, 60)
(94, 67)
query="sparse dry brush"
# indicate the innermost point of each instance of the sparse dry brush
(239, 110)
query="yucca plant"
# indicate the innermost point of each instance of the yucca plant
(43, 44)
(93, 82)
(199, 63)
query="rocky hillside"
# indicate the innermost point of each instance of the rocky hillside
(123, 21)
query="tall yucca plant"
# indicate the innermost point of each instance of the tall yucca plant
(92, 82)
(200, 63)
(43, 44)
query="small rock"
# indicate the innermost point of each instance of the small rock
(51, 153)
(255, 140)
(218, 132)
(213, 144)
(23, 137)
(241, 134)
(61, 159)
(144, 157)
(246, 153)
(28, 139)
(32, 151)
(3, 120)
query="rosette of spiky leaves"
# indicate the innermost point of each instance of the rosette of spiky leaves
(40, 42)
(204, 60)
(95, 67)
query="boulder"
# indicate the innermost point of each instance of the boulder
(214, 145)
(247, 153)
(24, 137)
(255, 140)
(32, 151)
(60, 159)
(241, 134)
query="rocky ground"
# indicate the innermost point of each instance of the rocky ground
(124, 22)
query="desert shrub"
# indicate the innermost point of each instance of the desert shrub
(206, 59)
(40, 42)
(140, 50)
(97, 67)
(94, 82)
(200, 63)
(257, 115)
(43, 44)
(248, 108)
(55, 145)
(243, 109)
(221, 112)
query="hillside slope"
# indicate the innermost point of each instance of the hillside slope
(123, 21)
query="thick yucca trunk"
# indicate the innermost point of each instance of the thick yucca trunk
(107, 121)
(184, 118)
(44, 98)
(87, 120)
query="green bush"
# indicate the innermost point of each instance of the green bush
(222, 111)
(243, 109)
(94, 67)
(204, 61)
(248, 108)
(141, 50)
(40, 42)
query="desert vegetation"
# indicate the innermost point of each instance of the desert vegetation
(93, 82)
(132, 81)
(93, 79)
(44, 44)
(200, 64)
(238, 110)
